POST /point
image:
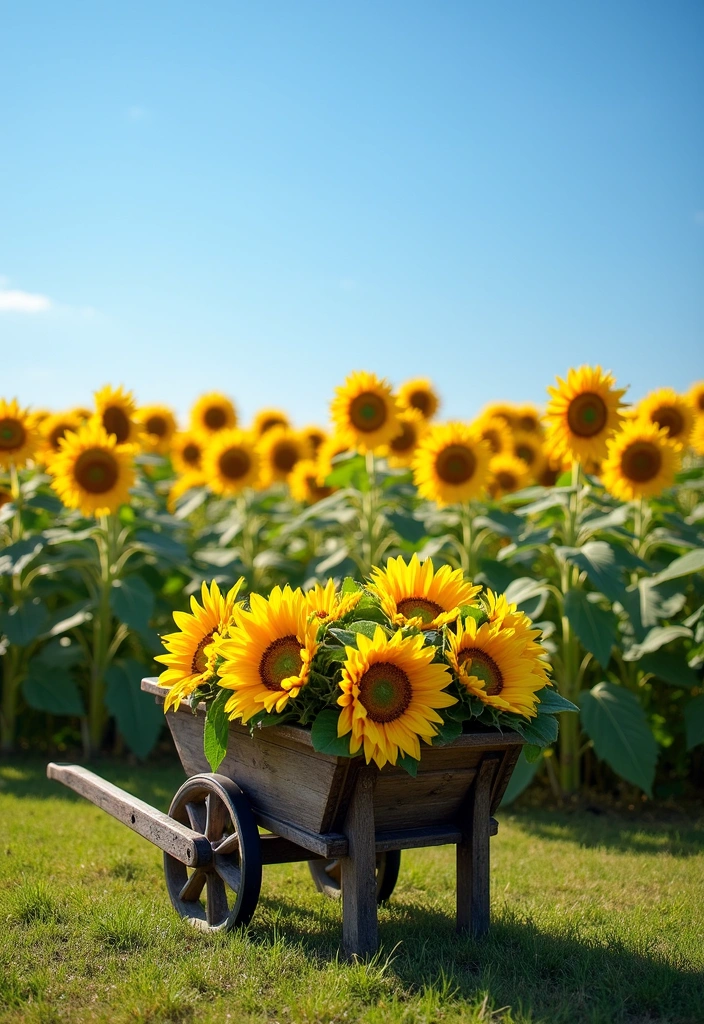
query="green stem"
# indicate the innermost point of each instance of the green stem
(369, 507)
(16, 492)
(101, 636)
(466, 549)
(9, 703)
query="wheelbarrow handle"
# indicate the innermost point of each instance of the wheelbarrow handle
(187, 846)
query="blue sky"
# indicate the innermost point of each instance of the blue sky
(262, 197)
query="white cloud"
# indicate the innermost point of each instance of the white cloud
(14, 301)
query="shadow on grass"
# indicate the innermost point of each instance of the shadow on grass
(558, 978)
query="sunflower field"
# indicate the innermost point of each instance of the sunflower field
(586, 519)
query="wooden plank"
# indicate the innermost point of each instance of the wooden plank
(473, 857)
(277, 850)
(432, 799)
(415, 838)
(187, 846)
(501, 780)
(358, 871)
(328, 844)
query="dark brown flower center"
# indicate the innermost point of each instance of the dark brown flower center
(315, 441)
(285, 455)
(669, 418)
(191, 454)
(404, 441)
(199, 662)
(525, 453)
(492, 438)
(116, 421)
(96, 471)
(587, 414)
(315, 491)
(421, 400)
(527, 422)
(385, 692)
(5, 497)
(215, 417)
(157, 425)
(484, 668)
(270, 422)
(281, 659)
(456, 464)
(419, 608)
(57, 433)
(234, 463)
(506, 480)
(549, 477)
(641, 462)
(368, 412)
(700, 400)
(12, 434)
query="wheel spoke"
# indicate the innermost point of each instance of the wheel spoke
(196, 817)
(193, 887)
(216, 908)
(228, 846)
(229, 872)
(217, 818)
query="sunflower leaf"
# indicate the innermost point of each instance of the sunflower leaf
(368, 627)
(552, 703)
(447, 732)
(324, 736)
(409, 764)
(217, 727)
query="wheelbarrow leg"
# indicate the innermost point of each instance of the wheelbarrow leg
(359, 921)
(473, 857)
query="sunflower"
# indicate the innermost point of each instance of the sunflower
(190, 661)
(669, 411)
(508, 474)
(159, 426)
(496, 432)
(314, 438)
(212, 413)
(696, 397)
(390, 690)
(527, 419)
(494, 663)
(328, 605)
(231, 462)
(53, 428)
(529, 449)
(303, 483)
(507, 615)
(19, 437)
(184, 483)
(500, 411)
(365, 411)
(697, 436)
(82, 412)
(280, 449)
(550, 473)
(642, 461)
(416, 595)
(419, 394)
(451, 464)
(116, 410)
(5, 496)
(267, 419)
(583, 414)
(402, 448)
(91, 471)
(329, 450)
(268, 654)
(187, 451)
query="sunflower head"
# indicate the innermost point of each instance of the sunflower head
(451, 464)
(267, 656)
(364, 411)
(231, 462)
(267, 419)
(303, 483)
(496, 432)
(329, 605)
(53, 428)
(414, 594)
(19, 434)
(420, 395)
(527, 418)
(402, 448)
(91, 471)
(280, 449)
(696, 397)
(530, 450)
(642, 461)
(583, 413)
(116, 411)
(508, 474)
(212, 413)
(314, 437)
(670, 412)
(190, 660)
(187, 451)
(697, 437)
(158, 427)
(500, 411)
(391, 689)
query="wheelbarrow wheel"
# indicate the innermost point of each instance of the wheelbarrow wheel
(327, 875)
(222, 894)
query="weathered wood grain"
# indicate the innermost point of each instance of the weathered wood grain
(473, 855)
(171, 836)
(358, 870)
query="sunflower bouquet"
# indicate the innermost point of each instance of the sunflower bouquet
(412, 654)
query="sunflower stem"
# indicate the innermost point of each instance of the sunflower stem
(102, 653)
(16, 492)
(9, 702)
(466, 548)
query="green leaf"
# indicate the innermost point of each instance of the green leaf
(366, 626)
(692, 562)
(521, 777)
(132, 601)
(163, 545)
(552, 702)
(533, 752)
(349, 472)
(68, 617)
(694, 721)
(58, 655)
(530, 595)
(542, 731)
(654, 640)
(52, 690)
(345, 636)
(17, 556)
(595, 627)
(217, 730)
(408, 763)
(407, 526)
(598, 560)
(618, 727)
(447, 732)
(671, 667)
(350, 586)
(24, 623)
(323, 733)
(138, 718)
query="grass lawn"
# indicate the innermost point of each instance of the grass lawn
(595, 918)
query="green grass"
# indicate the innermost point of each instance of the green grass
(595, 918)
